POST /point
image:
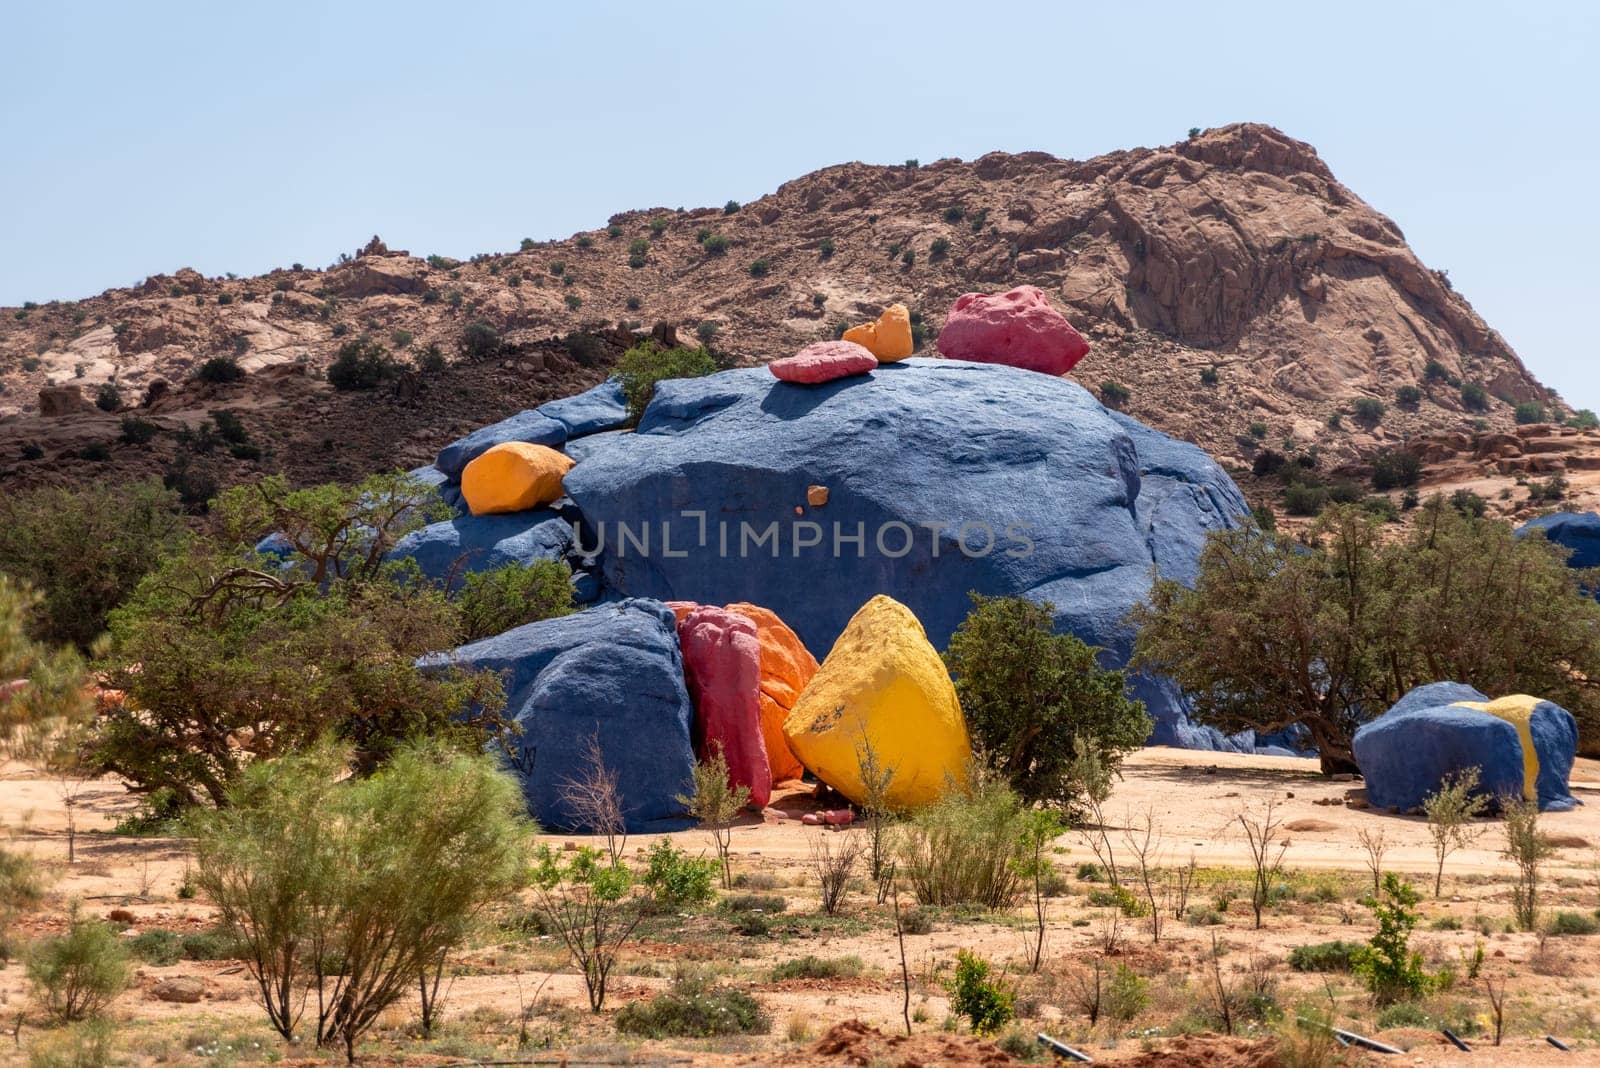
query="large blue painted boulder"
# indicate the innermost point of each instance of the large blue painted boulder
(589, 412)
(1577, 532)
(445, 551)
(1521, 746)
(942, 476)
(530, 426)
(612, 672)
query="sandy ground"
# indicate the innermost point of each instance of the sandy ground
(1195, 800)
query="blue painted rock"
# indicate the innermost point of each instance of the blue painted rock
(589, 412)
(528, 427)
(1577, 532)
(942, 476)
(1522, 747)
(445, 551)
(611, 673)
(449, 492)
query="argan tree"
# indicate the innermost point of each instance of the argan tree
(1032, 697)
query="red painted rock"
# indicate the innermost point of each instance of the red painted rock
(1018, 328)
(786, 667)
(722, 665)
(823, 362)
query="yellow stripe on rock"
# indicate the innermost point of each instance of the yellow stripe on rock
(883, 681)
(1517, 710)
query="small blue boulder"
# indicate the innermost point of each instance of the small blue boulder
(445, 551)
(530, 427)
(612, 673)
(1434, 732)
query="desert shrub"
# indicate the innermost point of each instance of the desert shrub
(917, 921)
(136, 431)
(658, 225)
(22, 883)
(83, 550)
(1469, 504)
(939, 249)
(759, 268)
(1388, 965)
(1584, 419)
(810, 967)
(493, 602)
(213, 945)
(1258, 431)
(825, 247)
(646, 364)
(76, 975)
(961, 849)
(206, 643)
(1127, 995)
(1527, 849)
(1368, 411)
(954, 213)
(707, 331)
(1529, 412)
(634, 303)
(1037, 702)
(1408, 397)
(714, 802)
(677, 880)
(1209, 376)
(715, 245)
(1268, 462)
(1323, 956)
(1403, 1014)
(989, 1003)
(694, 1008)
(754, 903)
(908, 257)
(432, 359)
(479, 341)
(1114, 394)
(1566, 923)
(83, 1045)
(573, 301)
(361, 365)
(395, 878)
(1435, 371)
(1474, 398)
(1090, 872)
(157, 946)
(108, 398)
(220, 369)
(95, 452)
(1393, 468)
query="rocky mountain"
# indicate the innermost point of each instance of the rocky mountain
(1238, 294)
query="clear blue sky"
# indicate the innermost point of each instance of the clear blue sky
(139, 138)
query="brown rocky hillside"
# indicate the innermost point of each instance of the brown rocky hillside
(1235, 252)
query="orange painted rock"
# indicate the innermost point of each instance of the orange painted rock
(722, 665)
(786, 667)
(889, 338)
(513, 477)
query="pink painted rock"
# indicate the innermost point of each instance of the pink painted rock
(722, 665)
(824, 361)
(1018, 328)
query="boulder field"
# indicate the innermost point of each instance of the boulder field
(1522, 747)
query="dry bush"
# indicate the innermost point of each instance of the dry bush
(1374, 846)
(1267, 848)
(594, 799)
(833, 858)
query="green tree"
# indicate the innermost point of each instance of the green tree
(76, 975)
(594, 908)
(83, 550)
(401, 866)
(642, 366)
(1392, 970)
(1333, 629)
(41, 686)
(362, 364)
(1032, 696)
(227, 656)
(493, 602)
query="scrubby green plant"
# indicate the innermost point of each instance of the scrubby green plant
(1527, 848)
(714, 803)
(76, 975)
(402, 865)
(493, 602)
(1408, 397)
(479, 341)
(220, 369)
(108, 398)
(813, 967)
(1368, 411)
(1209, 376)
(157, 946)
(715, 245)
(987, 1001)
(82, 1045)
(1566, 923)
(22, 882)
(1584, 419)
(1388, 965)
(1474, 398)
(1392, 468)
(1529, 412)
(695, 1007)
(963, 848)
(647, 363)
(362, 365)
(939, 249)
(136, 431)
(1127, 994)
(677, 880)
(1450, 810)
(1333, 956)
(1114, 394)
(759, 268)
(1032, 698)
(825, 247)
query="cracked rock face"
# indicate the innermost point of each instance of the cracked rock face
(944, 477)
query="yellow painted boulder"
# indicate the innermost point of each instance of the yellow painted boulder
(889, 339)
(786, 667)
(883, 681)
(514, 477)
